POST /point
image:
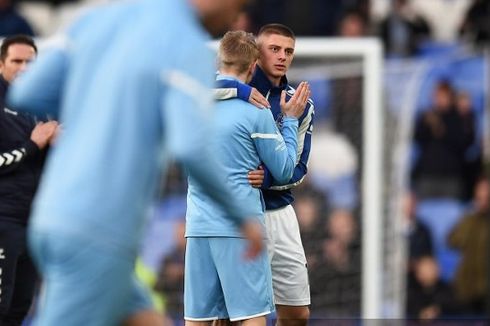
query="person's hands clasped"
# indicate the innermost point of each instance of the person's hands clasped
(43, 132)
(297, 103)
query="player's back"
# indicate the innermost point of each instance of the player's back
(118, 60)
(234, 127)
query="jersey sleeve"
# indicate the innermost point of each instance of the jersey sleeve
(305, 131)
(10, 160)
(228, 88)
(39, 90)
(276, 151)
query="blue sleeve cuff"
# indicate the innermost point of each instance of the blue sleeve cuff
(243, 91)
(267, 179)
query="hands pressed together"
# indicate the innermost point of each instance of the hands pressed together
(45, 133)
(297, 103)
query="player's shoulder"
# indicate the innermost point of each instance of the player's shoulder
(290, 90)
(240, 104)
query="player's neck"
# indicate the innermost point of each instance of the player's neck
(275, 81)
(232, 73)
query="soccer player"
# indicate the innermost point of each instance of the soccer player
(219, 284)
(288, 262)
(130, 91)
(23, 144)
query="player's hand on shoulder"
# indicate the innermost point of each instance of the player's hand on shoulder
(253, 232)
(257, 99)
(297, 103)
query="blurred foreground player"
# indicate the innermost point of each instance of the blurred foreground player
(130, 92)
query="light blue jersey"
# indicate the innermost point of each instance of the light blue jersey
(244, 136)
(104, 169)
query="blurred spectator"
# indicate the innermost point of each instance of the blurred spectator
(443, 138)
(11, 21)
(174, 183)
(402, 31)
(476, 25)
(333, 167)
(419, 236)
(326, 15)
(309, 209)
(429, 297)
(443, 16)
(346, 106)
(170, 281)
(243, 23)
(269, 11)
(473, 159)
(353, 24)
(335, 282)
(471, 236)
(464, 106)
(311, 18)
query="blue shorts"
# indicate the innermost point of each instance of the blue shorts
(84, 283)
(220, 283)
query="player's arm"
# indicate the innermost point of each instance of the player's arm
(10, 160)
(229, 88)
(39, 89)
(276, 151)
(304, 146)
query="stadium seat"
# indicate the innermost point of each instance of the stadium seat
(441, 215)
(431, 49)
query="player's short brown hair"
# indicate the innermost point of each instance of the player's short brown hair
(238, 49)
(279, 29)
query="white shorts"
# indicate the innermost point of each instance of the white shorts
(287, 256)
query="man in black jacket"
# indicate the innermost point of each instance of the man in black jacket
(23, 143)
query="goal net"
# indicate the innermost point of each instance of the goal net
(346, 206)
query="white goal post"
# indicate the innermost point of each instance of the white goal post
(372, 175)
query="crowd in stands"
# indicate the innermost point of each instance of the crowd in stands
(448, 203)
(404, 25)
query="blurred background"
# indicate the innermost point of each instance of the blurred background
(435, 193)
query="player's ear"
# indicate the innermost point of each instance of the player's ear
(253, 66)
(251, 70)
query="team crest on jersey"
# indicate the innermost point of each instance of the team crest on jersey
(280, 120)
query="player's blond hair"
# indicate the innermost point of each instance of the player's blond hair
(238, 51)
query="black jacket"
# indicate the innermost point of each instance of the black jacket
(21, 162)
